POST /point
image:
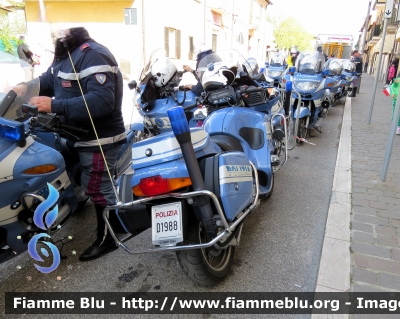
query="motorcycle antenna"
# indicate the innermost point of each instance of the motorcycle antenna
(95, 131)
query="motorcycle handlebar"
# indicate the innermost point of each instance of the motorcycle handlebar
(188, 107)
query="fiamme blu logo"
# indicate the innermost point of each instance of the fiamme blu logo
(44, 221)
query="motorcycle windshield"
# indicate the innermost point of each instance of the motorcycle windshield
(277, 60)
(12, 79)
(310, 62)
(334, 66)
(154, 56)
(348, 65)
(230, 58)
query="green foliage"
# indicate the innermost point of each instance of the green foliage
(289, 32)
(9, 30)
(17, 4)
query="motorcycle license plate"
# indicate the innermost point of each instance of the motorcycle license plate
(167, 224)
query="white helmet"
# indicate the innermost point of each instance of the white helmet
(162, 70)
(216, 76)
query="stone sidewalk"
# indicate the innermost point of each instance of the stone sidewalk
(375, 205)
(361, 249)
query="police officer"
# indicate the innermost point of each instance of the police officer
(101, 82)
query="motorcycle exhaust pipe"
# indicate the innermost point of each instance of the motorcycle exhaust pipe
(181, 131)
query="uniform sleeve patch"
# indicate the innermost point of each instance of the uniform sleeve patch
(84, 46)
(101, 78)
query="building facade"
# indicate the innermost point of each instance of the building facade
(134, 29)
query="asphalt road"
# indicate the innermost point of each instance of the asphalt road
(280, 246)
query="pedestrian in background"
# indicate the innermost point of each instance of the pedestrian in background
(394, 93)
(366, 66)
(357, 60)
(391, 74)
(26, 56)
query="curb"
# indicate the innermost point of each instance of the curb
(334, 268)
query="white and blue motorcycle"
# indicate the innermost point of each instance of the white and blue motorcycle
(350, 75)
(32, 157)
(276, 68)
(338, 90)
(194, 186)
(311, 96)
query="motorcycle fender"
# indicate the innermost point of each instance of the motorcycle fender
(229, 177)
(304, 111)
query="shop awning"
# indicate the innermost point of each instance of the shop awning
(388, 46)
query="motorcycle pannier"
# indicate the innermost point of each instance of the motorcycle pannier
(229, 176)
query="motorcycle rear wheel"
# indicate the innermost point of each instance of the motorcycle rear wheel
(205, 266)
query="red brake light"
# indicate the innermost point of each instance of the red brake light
(156, 185)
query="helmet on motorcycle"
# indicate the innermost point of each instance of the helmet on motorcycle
(294, 50)
(162, 70)
(216, 76)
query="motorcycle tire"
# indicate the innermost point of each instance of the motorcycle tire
(301, 130)
(206, 266)
(268, 195)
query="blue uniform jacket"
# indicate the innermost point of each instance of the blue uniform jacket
(102, 86)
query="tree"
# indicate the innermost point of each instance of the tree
(288, 32)
(11, 25)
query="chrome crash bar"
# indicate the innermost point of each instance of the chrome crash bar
(228, 227)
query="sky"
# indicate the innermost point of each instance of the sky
(345, 17)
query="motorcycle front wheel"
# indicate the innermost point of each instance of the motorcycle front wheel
(301, 130)
(205, 266)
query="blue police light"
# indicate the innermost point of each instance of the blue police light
(12, 130)
(343, 77)
(267, 64)
(325, 72)
(262, 70)
(178, 120)
(292, 69)
(289, 86)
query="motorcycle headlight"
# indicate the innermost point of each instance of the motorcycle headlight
(306, 86)
(275, 73)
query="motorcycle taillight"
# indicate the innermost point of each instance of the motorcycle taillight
(157, 185)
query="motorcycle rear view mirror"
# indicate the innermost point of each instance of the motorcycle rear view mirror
(7, 101)
(32, 110)
(132, 85)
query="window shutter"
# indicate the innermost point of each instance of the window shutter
(191, 48)
(178, 43)
(166, 40)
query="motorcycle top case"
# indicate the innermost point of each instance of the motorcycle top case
(229, 176)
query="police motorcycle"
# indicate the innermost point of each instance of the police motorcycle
(160, 87)
(338, 90)
(31, 157)
(276, 68)
(311, 96)
(350, 75)
(194, 186)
